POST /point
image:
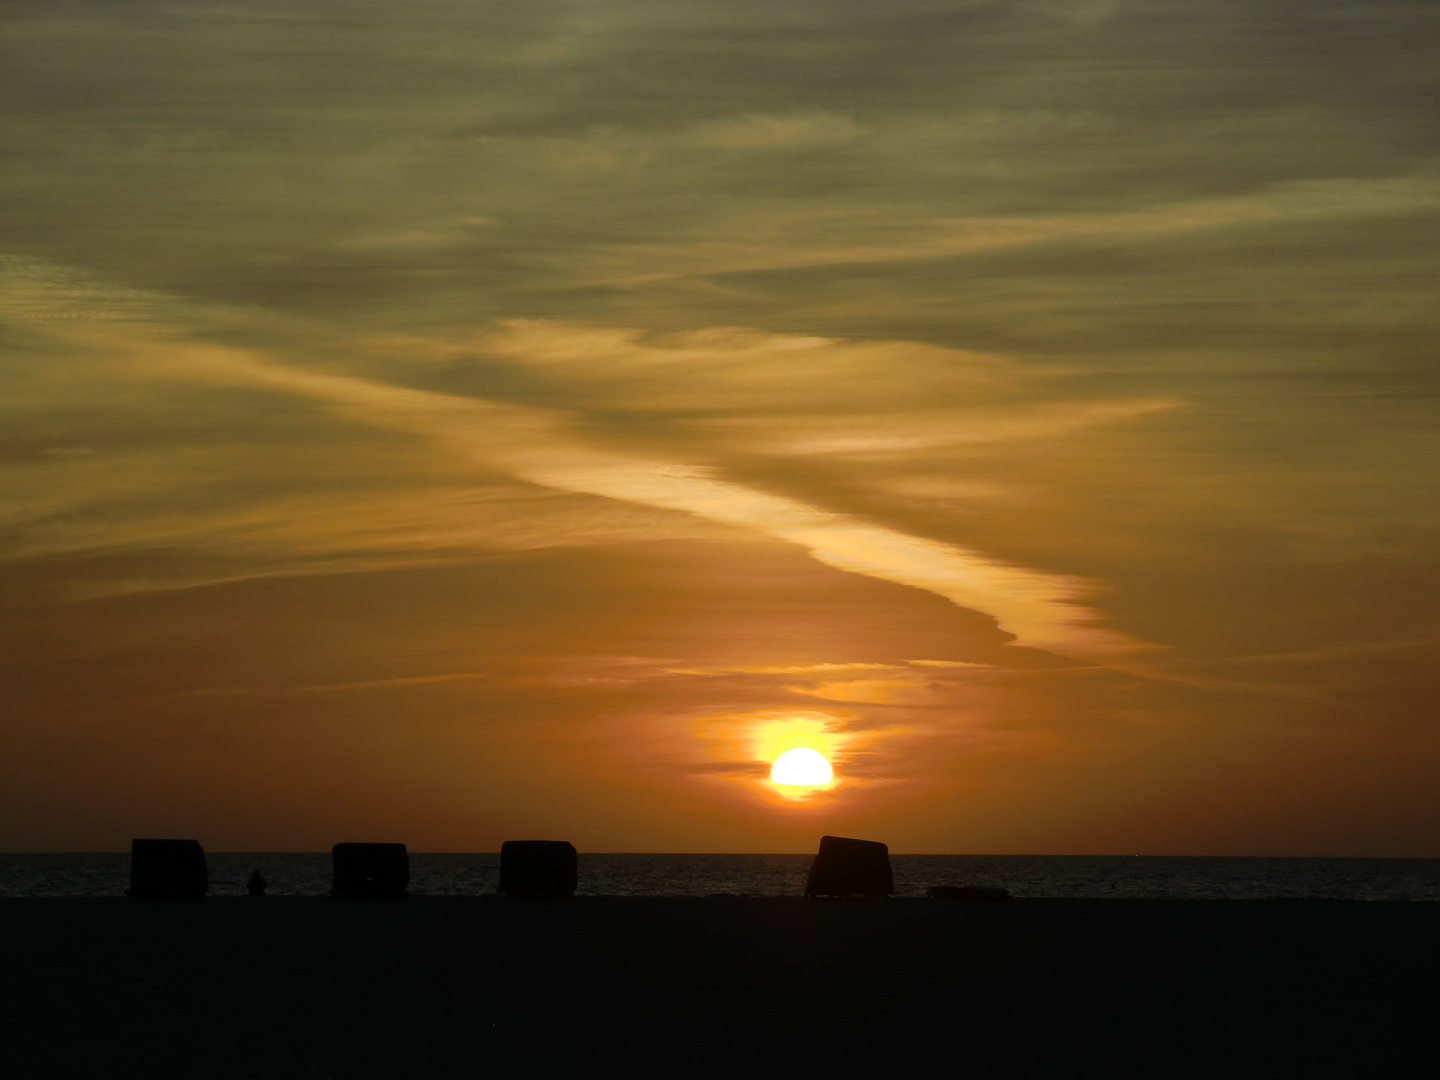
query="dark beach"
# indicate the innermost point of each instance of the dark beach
(313, 987)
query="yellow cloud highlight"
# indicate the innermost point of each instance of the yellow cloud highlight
(901, 691)
(872, 436)
(544, 447)
(788, 669)
(1041, 609)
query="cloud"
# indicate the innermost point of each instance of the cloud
(541, 447)
(798, 395)
(385, 684)
(792, 238)
(948, 663)
(758, 131)
(440, 234)
(890, 436)
(873, 691)
(790, 669)
(1039, 608)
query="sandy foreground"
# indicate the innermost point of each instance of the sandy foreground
(482, 986)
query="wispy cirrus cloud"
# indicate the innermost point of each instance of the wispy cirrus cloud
(546, 448)
(1040, 608)
(787, 238)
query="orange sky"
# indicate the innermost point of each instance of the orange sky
(455, 423)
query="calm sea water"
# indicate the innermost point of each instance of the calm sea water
(308, 874)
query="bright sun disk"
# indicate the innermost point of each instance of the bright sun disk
(801, 767)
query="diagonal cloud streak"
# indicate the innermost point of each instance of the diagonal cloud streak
(1039, 608)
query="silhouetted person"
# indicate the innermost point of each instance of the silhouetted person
(844, 867)
(256, 885)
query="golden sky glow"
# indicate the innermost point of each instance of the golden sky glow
(461, 421)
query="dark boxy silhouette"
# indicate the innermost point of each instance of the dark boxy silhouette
(537, 868)
(844, 867)
(167, 870)
(370, 871)
(981, 893)
(256, 885)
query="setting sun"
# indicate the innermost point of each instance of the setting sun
(801, 767)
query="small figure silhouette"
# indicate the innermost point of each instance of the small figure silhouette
(256, 885)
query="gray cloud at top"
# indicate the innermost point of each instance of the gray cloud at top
(334, 156)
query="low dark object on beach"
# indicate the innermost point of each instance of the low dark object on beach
(167, 870)
(845, 867)
(984, 894)
(256, 885)
(370, 871)
(543, 868)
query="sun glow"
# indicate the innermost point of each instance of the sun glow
(795, 759)
(801, 767)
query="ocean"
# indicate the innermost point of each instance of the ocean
(1074, 876)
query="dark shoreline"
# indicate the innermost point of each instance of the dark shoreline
(732, 986)
(1076, 877)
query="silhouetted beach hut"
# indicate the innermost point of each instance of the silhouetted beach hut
(546, 868)
(370, 871)
(167, 870)
(846, 867)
